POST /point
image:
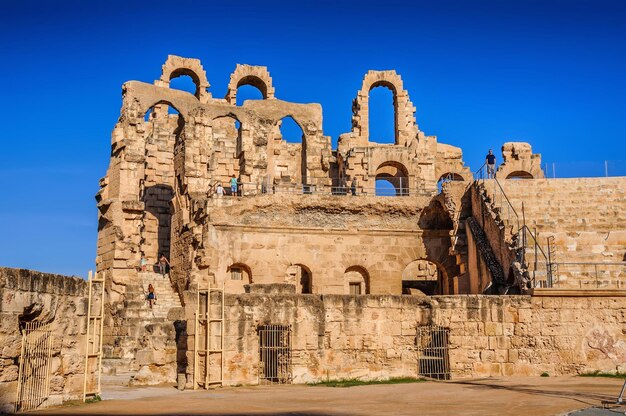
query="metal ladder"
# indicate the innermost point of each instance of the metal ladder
(205, 319)
(93, 339)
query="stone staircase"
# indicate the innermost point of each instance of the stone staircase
(586, 217)
(141, 344)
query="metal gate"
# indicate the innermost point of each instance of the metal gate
(33, 385)
(275, 354)
(433, 360)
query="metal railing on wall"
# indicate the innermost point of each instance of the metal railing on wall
(595, 169)
(587, 275)
(337, 187)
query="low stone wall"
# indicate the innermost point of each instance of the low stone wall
(374, 336)
(58, 300)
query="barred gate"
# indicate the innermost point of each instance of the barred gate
(433, 360)
(33, 385)
(275, 354)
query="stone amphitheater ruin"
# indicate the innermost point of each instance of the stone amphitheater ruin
(455, 276)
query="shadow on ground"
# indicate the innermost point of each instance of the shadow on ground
(585, 398)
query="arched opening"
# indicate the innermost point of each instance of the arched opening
(237, 276)
(448, 177)
(357, 280)
(253, 81)
(162, 138)
(382, 114)
(287, 153)
(423, 276)
(225, 161)
(300, 276)
(185, 80)
(392, 179)
(248, 92)
(519, 174)
(290, 131)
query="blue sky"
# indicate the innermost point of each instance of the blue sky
(479, 73)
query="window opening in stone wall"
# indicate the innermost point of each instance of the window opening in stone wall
(355, 288)
(275, 354)
(421, 276)
(433, 359)
(248, 92)
(382, 125)
(183, 83)
(290, 131)
(235, 273)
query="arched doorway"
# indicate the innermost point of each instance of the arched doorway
(356, 280)
(300, 276)
(392, 179)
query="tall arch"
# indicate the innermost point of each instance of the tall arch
(287, 161)
(176, 66)
(405, 128)
(257, 76)
(226, 144)
(163, 136)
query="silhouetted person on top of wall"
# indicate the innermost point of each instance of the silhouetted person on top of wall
(490, 160)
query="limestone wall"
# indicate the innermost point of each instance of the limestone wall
(326, 236)
(374, 336)
(58, 300)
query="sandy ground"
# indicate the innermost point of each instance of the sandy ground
(491, 396)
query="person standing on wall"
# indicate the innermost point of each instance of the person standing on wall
(163, 263)
(233, 186)
(490, 160)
